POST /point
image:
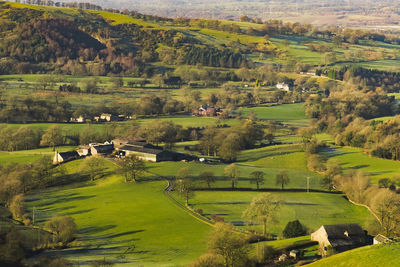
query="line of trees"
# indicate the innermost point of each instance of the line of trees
(185, 185)
(386, 80)
(226, 143)
(275, 27)
(26, 137)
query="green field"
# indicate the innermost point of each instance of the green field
(130, 223)
(292, 114)
(279, 244)
(29, 156)
(371, 256)
(192, 121)
(312, 209)
(386, 65)
(355, 159)
(270, 160)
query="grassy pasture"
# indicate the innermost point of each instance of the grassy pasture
(293, 114)
(270, 160)
(117, 19)
(370, 256)
(312, 209)
(192, 121)
(386, 65)
(28, 156)
(355, 159)
(279, 244)
(73, 128)
(130, 223)
(19, 86)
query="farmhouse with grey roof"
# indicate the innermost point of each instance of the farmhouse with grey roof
(340, 237)
(60, 157)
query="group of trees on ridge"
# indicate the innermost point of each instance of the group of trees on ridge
(91, 46)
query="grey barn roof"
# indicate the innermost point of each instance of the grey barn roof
(69, 155)
(338, 230)
(104, 148)
(141, 149)
(345, 234)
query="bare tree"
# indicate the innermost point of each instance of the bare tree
(257, 177)
(184, 185)
(282, 178)
(93, 164)
(263, 209)
(386, 205)
(132, 168)
(230, 245)
(207, 177)
(232, 172)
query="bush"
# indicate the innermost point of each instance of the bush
(63, 227)
(208, 260)
(17, 206)
(294, 229)
(384, 183)
(266, 253)
(217, 218)
(199, 211)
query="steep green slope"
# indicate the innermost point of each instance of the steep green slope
(371, 256)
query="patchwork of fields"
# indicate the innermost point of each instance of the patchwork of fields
(130, 223)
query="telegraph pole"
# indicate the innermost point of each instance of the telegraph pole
(308, 184)
(33, 216)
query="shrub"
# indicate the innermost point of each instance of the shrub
(266, 253)
(294, 229)
(384, 183)
(217, 218)
(208, 260)
(199, 211)
(63, 227)
(17, 206)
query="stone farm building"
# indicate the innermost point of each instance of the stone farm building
(152, 153)
(60, 157)
(207, 111)
(101, 149)
(145, 152)
(283, 86)
(380, 239)
(340, 237)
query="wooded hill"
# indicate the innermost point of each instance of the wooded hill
(43, 39)
(73, 41)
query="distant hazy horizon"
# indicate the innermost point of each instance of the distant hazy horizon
(319, 12)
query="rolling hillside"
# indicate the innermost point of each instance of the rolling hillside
(371, 256)
(76, 41)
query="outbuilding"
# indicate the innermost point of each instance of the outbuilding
(60, 157)
(339, 237)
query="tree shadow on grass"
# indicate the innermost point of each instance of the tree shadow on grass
(260, 155)
(112, 235)
(95, 229)
(63, 199)
(38, 197)
(92, 251)
(77, 212)
(238, 223)
(226, 203)
(299, 204)
(219, 214)
(358, 167)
